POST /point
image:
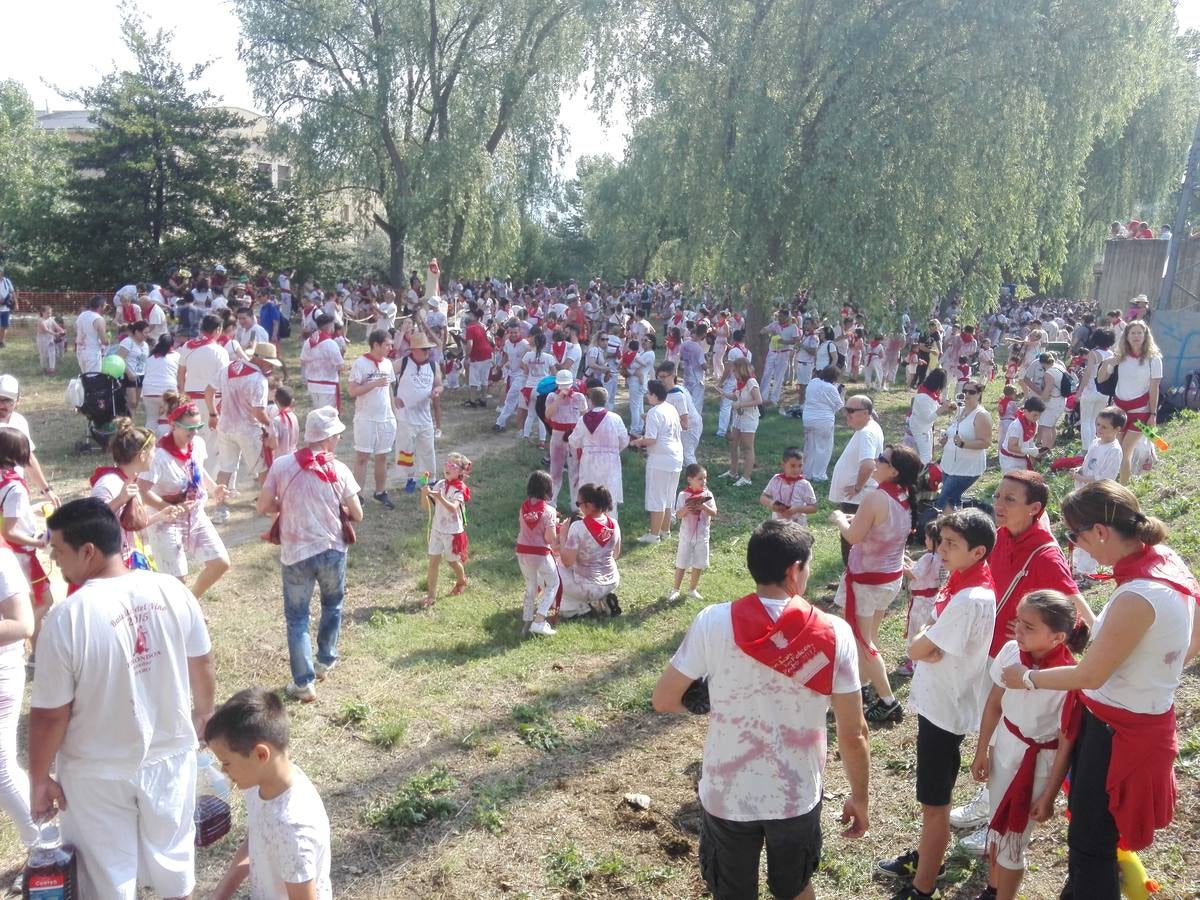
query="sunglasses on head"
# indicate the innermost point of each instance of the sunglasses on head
(854, 409)
(195, 427)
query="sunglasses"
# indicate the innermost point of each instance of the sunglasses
(1073, 536)
(195, 427)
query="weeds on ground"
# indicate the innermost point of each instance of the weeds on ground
(422, 799)
(536, 727)
(353, 713)
(568, 867)
(390, 732)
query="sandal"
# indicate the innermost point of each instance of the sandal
(459, 587)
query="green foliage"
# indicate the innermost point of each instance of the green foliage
(536, 727)
(390, 732)
(353, 712)
(568, 867)
(422, 799)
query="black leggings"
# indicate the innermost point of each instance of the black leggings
(1092, 834)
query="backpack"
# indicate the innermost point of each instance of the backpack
(1191, 392)
(1068, 384)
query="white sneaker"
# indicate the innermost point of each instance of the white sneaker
(306, 694)
(220, 515)
(321, 670)
(727, 474)
(541, 628)
(742, 482)
(973, 814)
(649, 539)
(975, 843)
(695, 595)
(672, 597)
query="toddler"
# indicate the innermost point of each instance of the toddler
(925, 578)
(789, 495)
(537, 542)
(446, 500)
(694, 508)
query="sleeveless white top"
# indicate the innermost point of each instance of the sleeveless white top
(961, 460)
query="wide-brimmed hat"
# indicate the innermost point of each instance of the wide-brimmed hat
(265, 351)
(322, 423)
(420, 342)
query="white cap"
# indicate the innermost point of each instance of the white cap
(563, 378)
(219, 268)
(9, 387)
(322, 423)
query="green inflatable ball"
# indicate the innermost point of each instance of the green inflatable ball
(113, 366)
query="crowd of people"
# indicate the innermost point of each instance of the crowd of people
(995, 611)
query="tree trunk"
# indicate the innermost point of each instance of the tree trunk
(397, 238)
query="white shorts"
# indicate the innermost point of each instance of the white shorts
(868, 598)
(246, 447)
(322, 396)
(478, 372)
(141, 828)
(172, 544)
(1055, 407)
(374, 437)
(692, 554)
(441, 544)
(662, 486)
(745, 421)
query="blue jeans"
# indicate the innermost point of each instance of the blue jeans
(327, 571)
(953, 488)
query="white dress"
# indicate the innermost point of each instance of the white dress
(600, 461)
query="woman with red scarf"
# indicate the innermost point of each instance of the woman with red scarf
(877, 533)
(177, 477)
(926, 406)
(590, 547)
(1121, 715)
(1139, 368)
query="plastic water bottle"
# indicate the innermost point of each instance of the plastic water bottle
(213, 817)
(209, 777)
(50, 873)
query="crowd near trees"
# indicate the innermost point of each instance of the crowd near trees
(882, 148)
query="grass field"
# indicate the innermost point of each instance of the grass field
(458, 761)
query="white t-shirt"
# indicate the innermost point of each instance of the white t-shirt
(135, 356)
(766, 747)
(168, 475)
(288, 840)
(118, 650)
(16, 505)
(1037, 713)
(1103, 461)
(157, 320)
(662, 425)
(310, 522)
(376, 405)
(161, 374)
(822, 402)
(86, 338)
(1146, 680)
(685, 406)
(12, 582)
(1134, 377)
(444, 520)
(866, 443)
(947, 692)
(203, 364)
(240, 396)
(414, 389)
(248, 337)
(19, 423)
(798, 493)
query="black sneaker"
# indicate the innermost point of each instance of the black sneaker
(383, 498)
(881, 713)
(908, 892)
(903, 867)
(614, 608)
(869, 695)
(497, 428)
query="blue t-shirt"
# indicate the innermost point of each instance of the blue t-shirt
(268, 316)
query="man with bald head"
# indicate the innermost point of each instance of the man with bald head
(854, 468)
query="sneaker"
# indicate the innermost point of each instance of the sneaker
(220, 515)
(305, 694)
(542, 627)
(383, 498)
(321, 670)
(727, 474)
(904, 867)
(880, 713)
(908, 892)
(649, 539)
(905, 669)
(614, 607)
(673, 596)
(695, 595)
(973, 814)
(975, 843)
(437, 433)
(743, 482)
(497, 428)
(719, 434)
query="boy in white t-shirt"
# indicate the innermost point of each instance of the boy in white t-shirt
(951, 656)
(695, 508)
(1102, 463)
(286, 850)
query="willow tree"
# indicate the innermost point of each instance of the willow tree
(889, 149)
(443, 112)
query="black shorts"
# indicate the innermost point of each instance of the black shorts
(938, 759)
(729, 854)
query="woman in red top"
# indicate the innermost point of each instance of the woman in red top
(1119, 734)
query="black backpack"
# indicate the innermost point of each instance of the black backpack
(1068, 384)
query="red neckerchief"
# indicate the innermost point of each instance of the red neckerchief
(39, 580)
(201, 341)
(101, 471)
(801, 643)
(875, 345)
(12, 476)
(1059, 656)
(593, 417)
(223, 340)
(167, 442)
(896, 492)
(317, 336)
(462, 487)
(1156, 563)
(320, 464)
(739, 345)
(1028, 429)
(928, 392)
(559, 349)
(532, 511)
(695, 492)
(741, 384)
(788, 479)
(601, 528)
(978, 575)
(1005, 403)
(239, 369)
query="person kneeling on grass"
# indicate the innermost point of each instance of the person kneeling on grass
(589, 552)
(951, 656)
(286, 849)
(694, 508)
(773, 664)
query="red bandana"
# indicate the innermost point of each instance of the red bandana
(239, 369)
(1157, 563)
(787, 479)
(39, 580)
(462, 487)
(978, 575)
(559, 349)
(800, 643)
(224, 340)
(101, 471)
(936, 395)
(317, 336)
(532, 511)
(194, 343)
(896, 492)
(1028, 429)
(320, 464)
(593, 417)
(601, 529)
(167, 442)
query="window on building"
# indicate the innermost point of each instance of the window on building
(264, 172)
(283, 175)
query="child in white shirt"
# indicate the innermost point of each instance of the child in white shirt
(285, 429)
(446, 500)
(286, 849)
(925, 577)
(694, 509)
(789, 495)
(1102, 462)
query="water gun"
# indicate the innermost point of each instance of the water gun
(410, 486)
(1152, 436)
(1135, 883)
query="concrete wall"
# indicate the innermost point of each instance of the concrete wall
(1136, 267)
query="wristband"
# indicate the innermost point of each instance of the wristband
(1027, 680)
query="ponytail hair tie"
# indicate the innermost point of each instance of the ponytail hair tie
(183, 409)
(1139, 518)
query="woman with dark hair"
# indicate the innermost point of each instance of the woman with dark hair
(926, 406)
(589, 553)
(1121, 724)
(161, 376)
(877, 533)
(964, 456)
(1091, 401)
(822, 403)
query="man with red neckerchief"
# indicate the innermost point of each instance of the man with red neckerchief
(774, 664)
(201, 361)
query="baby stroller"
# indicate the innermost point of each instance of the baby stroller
(103, 401)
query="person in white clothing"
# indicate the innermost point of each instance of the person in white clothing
(806, 362)
(1101, 463)
(322, 362)
(8, 304)
(771, 666)
(1019, 446)
(417, 384)
(123, 688)
(589, 551)
(822, 403)
(243, 423)
(286, 850)
(663, 437)
(512, 352)
(537, 363)
(789, 495)
(737, 350)
(564, 409)
(10, 398)
(248, 332)
(927, 405)
(16, 626)
(781, 337)
(746, 400)
(371, 384)
(690, 420)
(639, 371)
(161, 375)
(695, 508)
(964, 457)
(1091, 401)
(91, 336)
(598, 440)
(1044, 381)
(201, 362)
(852, 474)
(49, 332)
(1139, 367)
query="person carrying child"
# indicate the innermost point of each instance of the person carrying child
(695, 508)
(789, 495)
(286, 850)
(537, 543)
(1019, 734)
(447, 500)
(925, 578)
(48, 333)
(951, 656)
